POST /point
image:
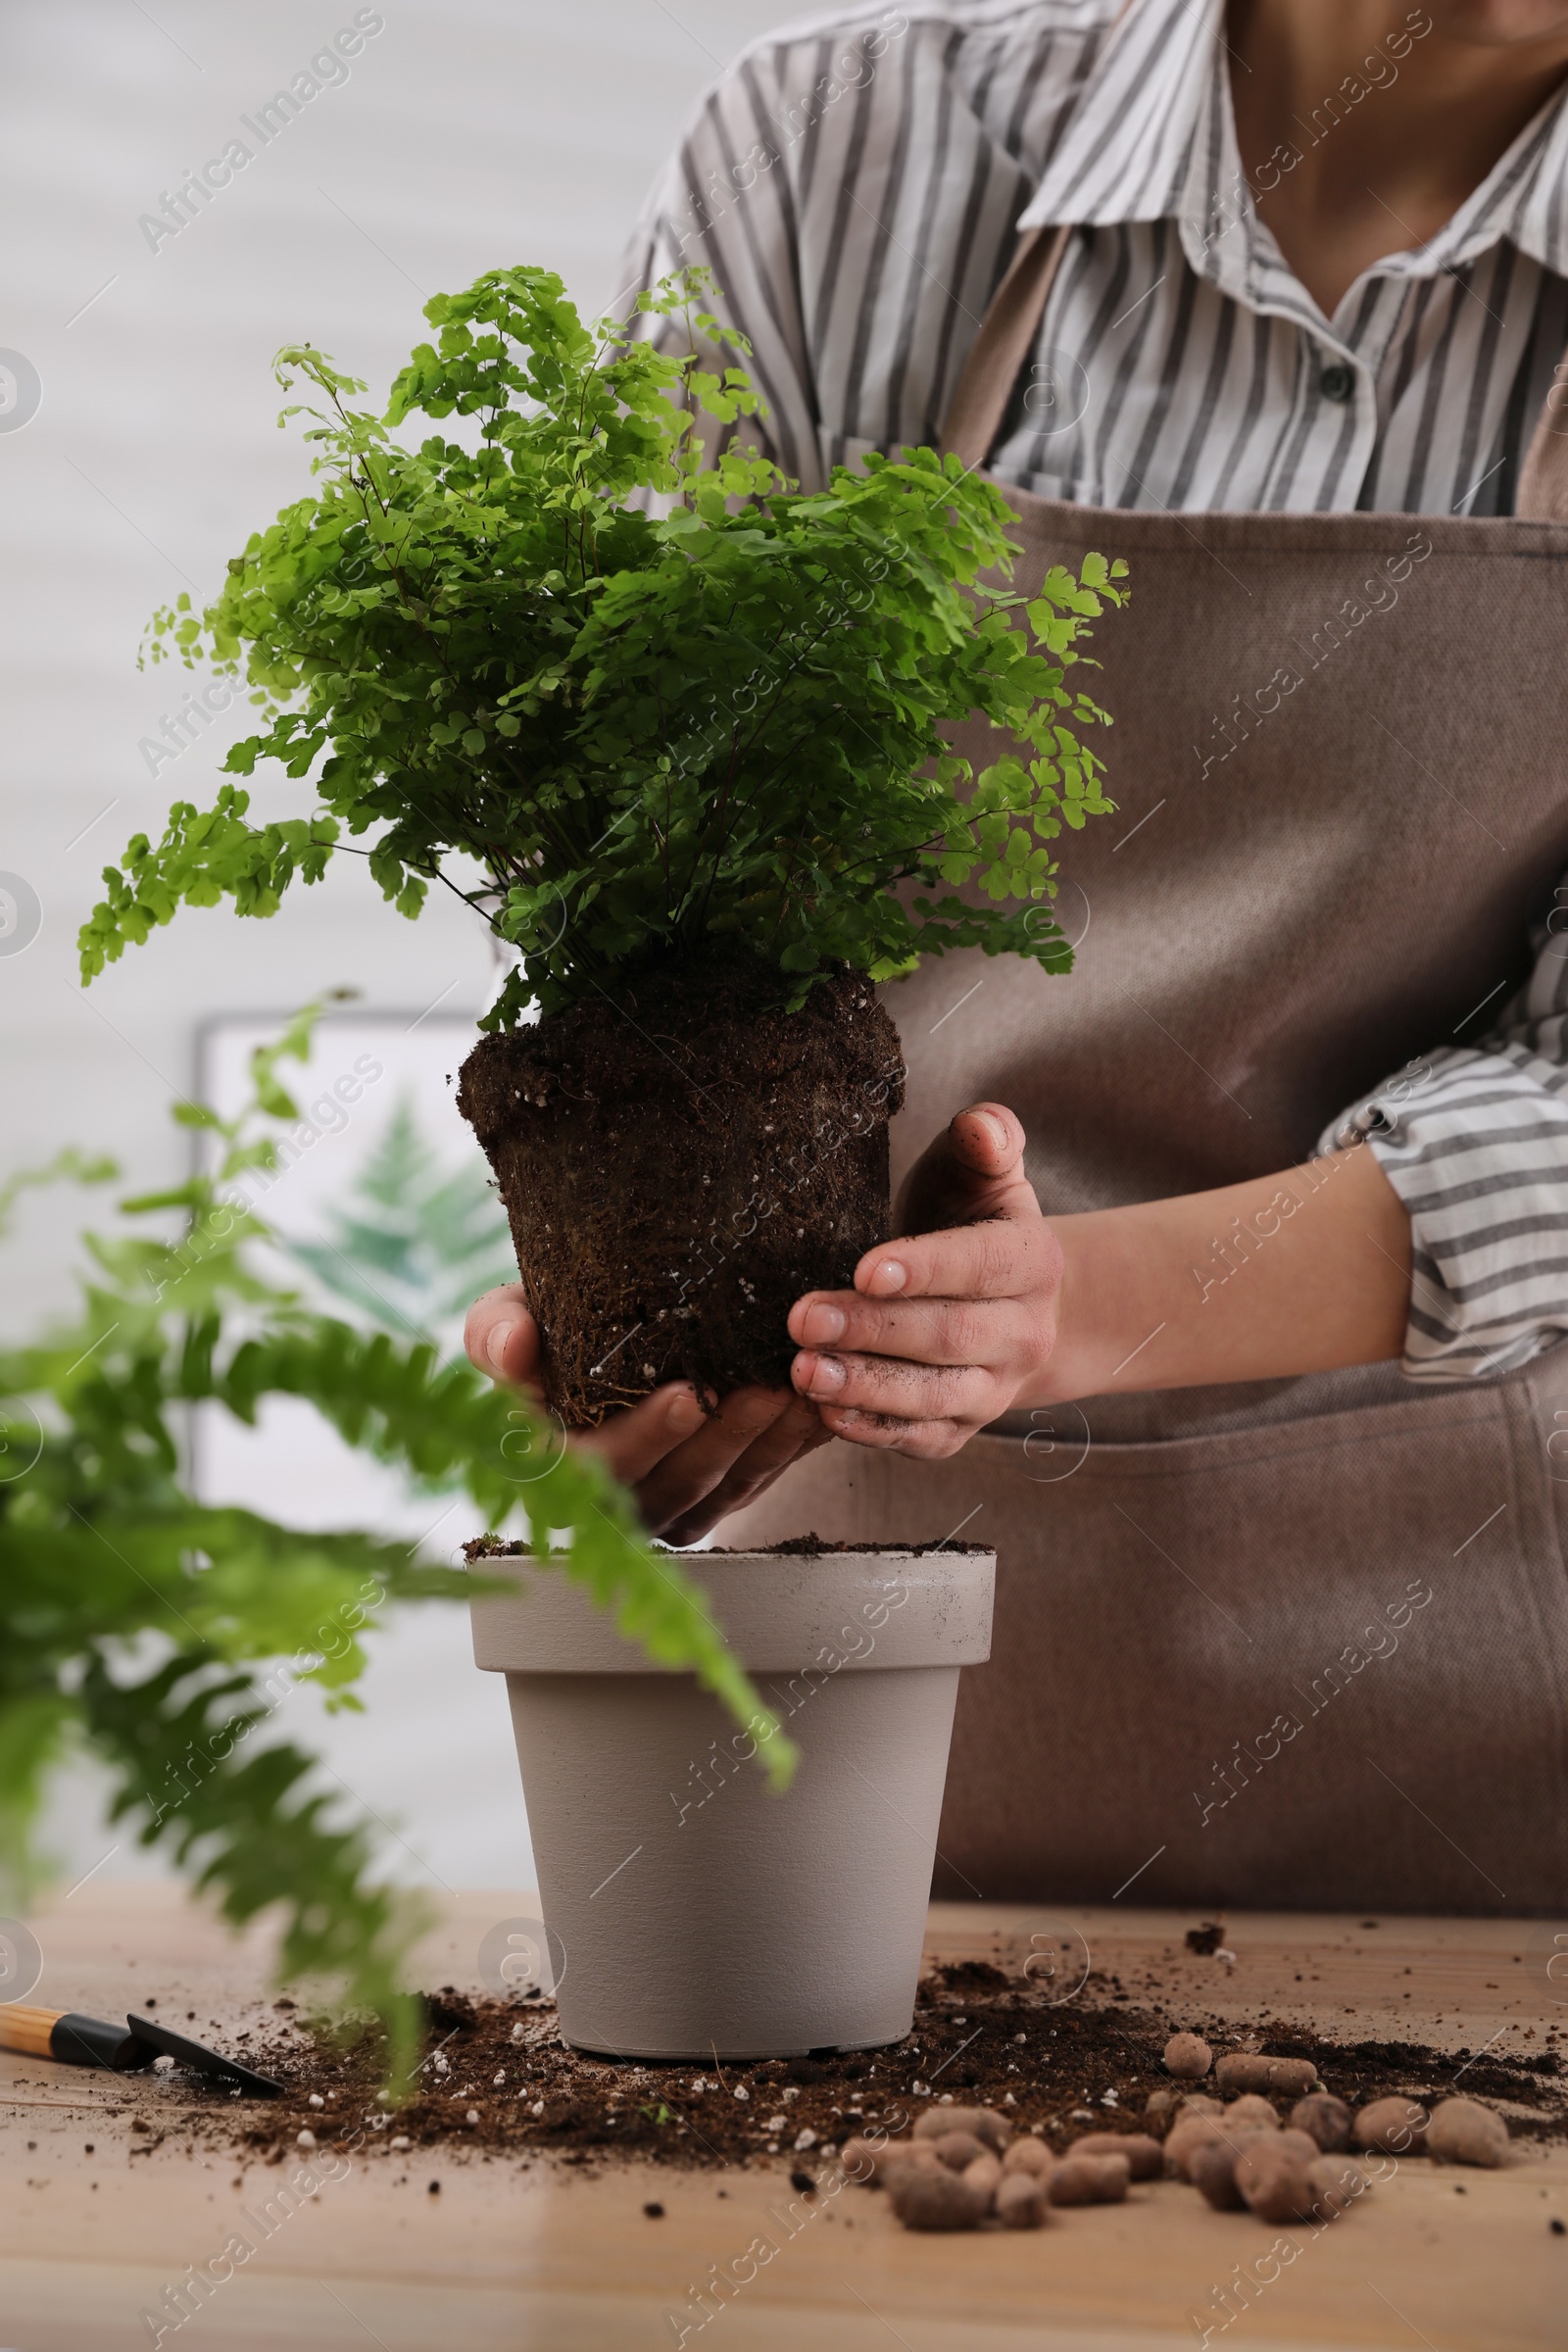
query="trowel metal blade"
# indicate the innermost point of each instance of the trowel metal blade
(186, 2052)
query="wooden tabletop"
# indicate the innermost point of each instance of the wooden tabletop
(533, 2259)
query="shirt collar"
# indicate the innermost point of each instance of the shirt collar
(1153, 137)
(1128, 149)
(1524, 198)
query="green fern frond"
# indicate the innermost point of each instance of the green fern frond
(103, 1551)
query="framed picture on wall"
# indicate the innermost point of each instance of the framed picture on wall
(380, 1197)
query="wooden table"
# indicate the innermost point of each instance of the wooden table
(534, 2260)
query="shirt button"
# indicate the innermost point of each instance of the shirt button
(1337, 381)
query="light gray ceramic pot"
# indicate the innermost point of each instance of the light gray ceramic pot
(691, 1912)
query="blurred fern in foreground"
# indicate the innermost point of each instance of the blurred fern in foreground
(164, 1634)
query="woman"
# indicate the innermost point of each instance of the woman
(1230, 1314)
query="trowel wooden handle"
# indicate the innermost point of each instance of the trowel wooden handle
(67, 2034)
(25, 2029)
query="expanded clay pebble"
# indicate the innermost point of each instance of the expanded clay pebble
(1251, 2108)
(1282, 2175)
(1463, 2132)
(1396, 2126)
(1146, 2158)
(983, 2122)
(1238, 2070)
(1187, 2141)
(1199, 2102)
(927, 2197)
(1188, 2056)
(959, 2148)
(1271, 2173)
(1090, 2181)
(902, 2156)
(1028, 2156)
(1021, 2201)
(1185, 2136)
(1325, 2117)
(1212, 2170)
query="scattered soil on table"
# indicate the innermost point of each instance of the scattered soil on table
(497, 2079)
(679, 1162)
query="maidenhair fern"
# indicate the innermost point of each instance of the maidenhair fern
(630, 736)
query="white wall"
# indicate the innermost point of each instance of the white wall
(468, 134)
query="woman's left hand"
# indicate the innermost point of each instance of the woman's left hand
(987, 1306)
(945, 1329)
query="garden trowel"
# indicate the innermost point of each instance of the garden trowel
(78, 2040)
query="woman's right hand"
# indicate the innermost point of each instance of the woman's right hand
(689, 1463)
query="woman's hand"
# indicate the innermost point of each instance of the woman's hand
(1303, 1271)
(688, 1466)
(944, 1330)
(985, 1306)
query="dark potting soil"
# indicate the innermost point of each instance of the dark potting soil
(810, 1548)
(798, 1548)
(680, 1161)
(496, 2078)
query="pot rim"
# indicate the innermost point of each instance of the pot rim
(814, 1613)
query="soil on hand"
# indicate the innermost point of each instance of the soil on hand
(496, 2079)
(680, 1161)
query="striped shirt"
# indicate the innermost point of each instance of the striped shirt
(1475, 1141)
(856, 184)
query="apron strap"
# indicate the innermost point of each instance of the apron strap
(1544, 476)
(1007, 334)
(1006, 339)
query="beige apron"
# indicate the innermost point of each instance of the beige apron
(1294, 1643)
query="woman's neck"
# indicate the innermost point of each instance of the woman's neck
(1363, 126)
